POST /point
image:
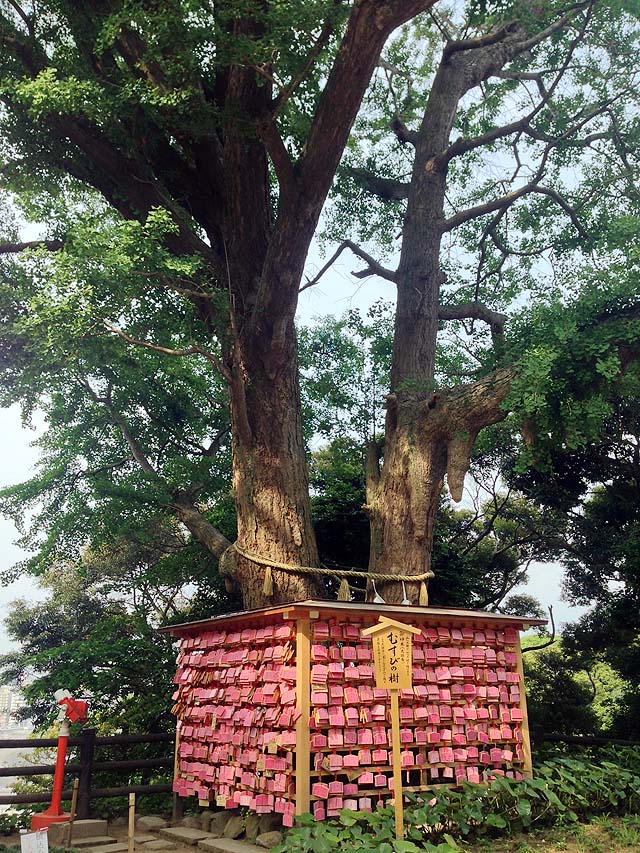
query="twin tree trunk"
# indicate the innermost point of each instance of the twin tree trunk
(427, 434)
(221, 179)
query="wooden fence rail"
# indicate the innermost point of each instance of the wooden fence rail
(85, 765)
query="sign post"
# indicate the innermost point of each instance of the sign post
(392, 659)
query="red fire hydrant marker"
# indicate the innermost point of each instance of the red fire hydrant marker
(73, 710)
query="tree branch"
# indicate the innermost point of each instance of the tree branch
(182, 505)
(548, 642)
(473, 311)
(504, 201)
(279, 156)
(564, 204)
(557, 25)
(314, 51)
(388, 189)
(477, 311)
(15, 248)
(202, 530)
(27, 20)
(461, 146)
(374, 267)
(216, 441)
(403, 134)
(482, 209)
(368, 27)
(192, 350)
(136, 450)
(487, 40)
(533, 76)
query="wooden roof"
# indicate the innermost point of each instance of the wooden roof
(316, 609)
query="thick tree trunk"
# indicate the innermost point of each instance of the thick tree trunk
(427, 434)
(402, 499)
(266, 265)
(270, 483)
(424, 440)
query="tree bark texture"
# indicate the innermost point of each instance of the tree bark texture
(270, 482)
(425, 439)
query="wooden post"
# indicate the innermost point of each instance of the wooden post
(303, 705)
(72, 816)
(397, 764)
(177, 804)
(132, 822)
(87, 751)
(526, 742)
(392, 660)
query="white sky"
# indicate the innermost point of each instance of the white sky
(16, 464)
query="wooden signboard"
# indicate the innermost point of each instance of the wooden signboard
(34, 842)
(392, 660)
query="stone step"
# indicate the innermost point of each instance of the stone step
(143, 837)
(228, 845)
(184, 834)
(93, 841)
(81, 829)
(150, 823)
(160, 844)
(118, 847)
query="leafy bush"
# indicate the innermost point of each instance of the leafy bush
(564, 790)
(11, 822)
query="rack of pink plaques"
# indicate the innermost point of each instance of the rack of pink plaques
(278, 711)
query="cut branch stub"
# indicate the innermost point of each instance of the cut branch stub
(472, 407)
(459, 449)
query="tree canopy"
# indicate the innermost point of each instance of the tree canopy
(481, 159)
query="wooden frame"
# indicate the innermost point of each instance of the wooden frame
(304, 618)
(526, 743)
(303, 705)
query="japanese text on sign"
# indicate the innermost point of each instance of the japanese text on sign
(392, 658)
(34, 842)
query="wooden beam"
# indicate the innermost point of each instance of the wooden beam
(345, 609)
(303, 705)
(526, 741)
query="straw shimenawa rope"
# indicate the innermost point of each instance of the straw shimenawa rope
(344, 593)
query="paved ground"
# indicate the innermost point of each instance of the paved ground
(179, 839)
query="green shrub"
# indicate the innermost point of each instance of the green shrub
(564, 790)
(11, 822)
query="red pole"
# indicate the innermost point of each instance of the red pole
(53, 814)
(58, 776)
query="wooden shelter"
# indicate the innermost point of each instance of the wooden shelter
(277, 708)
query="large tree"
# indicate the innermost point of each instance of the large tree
(186, 107)
(182, 152)
(510, 149)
